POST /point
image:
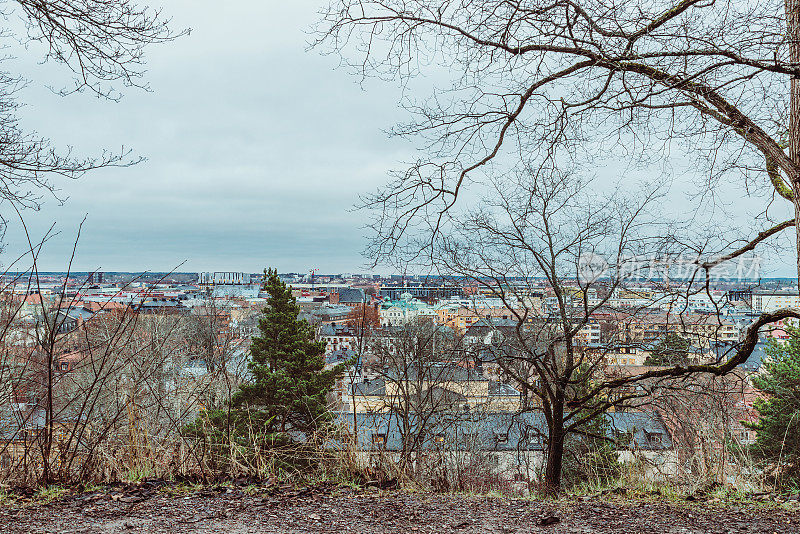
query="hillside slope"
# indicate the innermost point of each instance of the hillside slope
(330, 509)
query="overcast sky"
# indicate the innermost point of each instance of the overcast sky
(256, 151)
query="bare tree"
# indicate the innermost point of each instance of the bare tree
(102, 43)
(362, 323)
(531, 238)
(91, 399)
(219, 346)
(551, 86)
(428, 383)
(582, 82)
(705, 415)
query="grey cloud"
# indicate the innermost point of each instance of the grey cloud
(256, 150)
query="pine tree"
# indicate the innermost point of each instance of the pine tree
(672, 350)
(778, 429)
(589, 455)
(290, 385)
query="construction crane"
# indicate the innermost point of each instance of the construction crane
(312, 272)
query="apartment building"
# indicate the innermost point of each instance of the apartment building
(439, 387)
(404, 310)
(461, 318)
(700, 329)
(769, 301)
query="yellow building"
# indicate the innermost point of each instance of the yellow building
(700, 330)
(460, 319)
(440, 387)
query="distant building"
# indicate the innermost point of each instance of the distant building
(769, 301)
(327, 314)
(461, 318)
(404, 310)
(513, 444)
(337, 337)
(224, 279)
(447, 385)
(699, 329)
(348, 296)
(740, 295)
(426, 292)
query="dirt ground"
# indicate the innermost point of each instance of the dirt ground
(152, 508)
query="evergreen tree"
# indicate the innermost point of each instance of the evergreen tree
(589, 454)
(778, 429)
(289, 384)
(672, 350)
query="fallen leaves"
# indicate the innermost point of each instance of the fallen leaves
(549, 520)
(327, 508)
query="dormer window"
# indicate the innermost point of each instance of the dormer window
(654, 438)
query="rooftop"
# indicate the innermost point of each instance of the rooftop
(498, 431)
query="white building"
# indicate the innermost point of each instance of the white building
(398, 312)
(769, 301)
(224, 278)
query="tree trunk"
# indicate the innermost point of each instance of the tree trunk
(555, 450)
(47, 475)
(793, 35)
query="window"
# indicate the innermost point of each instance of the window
(623, 437)
(471, 438)
(533, 440)
(654, 438)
